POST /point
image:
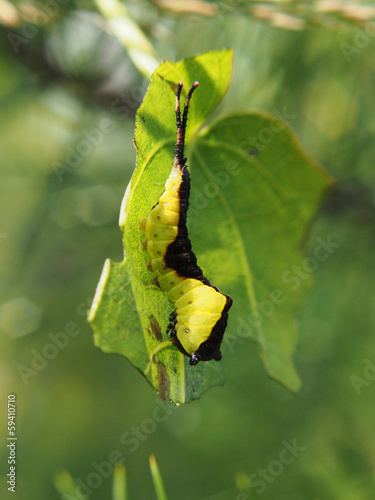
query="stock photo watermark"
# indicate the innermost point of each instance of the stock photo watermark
(84, 148)
(101, 470)
(265, 135)
(122, 105)
(131, 439)
(201, 199)
(362, 38)
(265, 476)
(37, 18)
(12, 443)
(48, 352)
(41, 358)
(364, 380)
(91, 139)
(138, 434)
(292, 277)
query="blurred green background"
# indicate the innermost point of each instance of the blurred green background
(62, 71)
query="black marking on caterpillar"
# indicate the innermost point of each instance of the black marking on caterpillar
(199, 319)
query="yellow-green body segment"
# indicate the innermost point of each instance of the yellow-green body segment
(201, 311)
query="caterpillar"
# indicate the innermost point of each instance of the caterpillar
(200, 317)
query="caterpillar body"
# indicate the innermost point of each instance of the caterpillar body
(199, 319)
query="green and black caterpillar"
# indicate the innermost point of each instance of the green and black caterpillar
(200, 317)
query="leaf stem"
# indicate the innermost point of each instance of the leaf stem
(128, 32)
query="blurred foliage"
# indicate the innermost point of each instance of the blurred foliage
(58, 222)
(68, 489)
(157, 479)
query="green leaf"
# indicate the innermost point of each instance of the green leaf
(253, 193)
(119, 483)
(157, 479)
(126, 288)
(257, 192)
